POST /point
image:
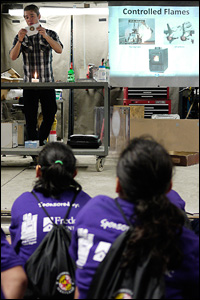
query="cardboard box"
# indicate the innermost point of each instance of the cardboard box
(21, 125)
(175, 135)
(136, 112)
(10, 75)
(9, 135)
(184, 158)
(4, 94)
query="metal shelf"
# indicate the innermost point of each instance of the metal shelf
(20, 150)
(35, 151)
(93, 84)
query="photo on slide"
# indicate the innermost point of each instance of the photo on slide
(135, 31)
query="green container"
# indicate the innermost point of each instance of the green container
(71, 76)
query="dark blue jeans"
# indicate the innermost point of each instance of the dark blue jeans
(47, 99)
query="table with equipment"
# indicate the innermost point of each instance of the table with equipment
(102, 151)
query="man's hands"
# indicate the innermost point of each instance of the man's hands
(14, 53)
(21, 34)
(54, 45)
(42, 31)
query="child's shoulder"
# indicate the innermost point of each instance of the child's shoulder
(95, 205)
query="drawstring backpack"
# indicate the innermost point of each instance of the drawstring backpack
(50, 269)
(113, 282)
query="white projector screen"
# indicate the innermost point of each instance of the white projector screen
(154, 45)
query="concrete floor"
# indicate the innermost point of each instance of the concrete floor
(17, 176)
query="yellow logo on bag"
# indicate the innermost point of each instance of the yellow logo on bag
(64, 283)
(123, 294)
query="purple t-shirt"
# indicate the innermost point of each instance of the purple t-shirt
(176, 199)
(99, 223)
(9, 258)
(30, 224)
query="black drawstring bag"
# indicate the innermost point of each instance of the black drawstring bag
(50, 269)
(111, 281)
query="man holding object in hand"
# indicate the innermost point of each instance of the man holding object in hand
(37, 62)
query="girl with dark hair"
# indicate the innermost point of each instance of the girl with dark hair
(144, 181)
(57, 165)
(55, 189)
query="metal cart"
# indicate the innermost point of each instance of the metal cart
(102, 151)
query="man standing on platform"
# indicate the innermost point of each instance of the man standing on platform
(36, 44)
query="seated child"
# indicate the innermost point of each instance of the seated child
(55, 188)
(144, 177)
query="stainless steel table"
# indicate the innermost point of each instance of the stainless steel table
(102, 151)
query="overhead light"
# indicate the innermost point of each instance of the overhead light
(63, 11)
(16, 12)
(50, 11)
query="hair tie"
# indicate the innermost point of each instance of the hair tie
(58, 162)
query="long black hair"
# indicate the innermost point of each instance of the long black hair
(58, 166)
(145, 171)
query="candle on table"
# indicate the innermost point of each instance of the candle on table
(35, 79)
